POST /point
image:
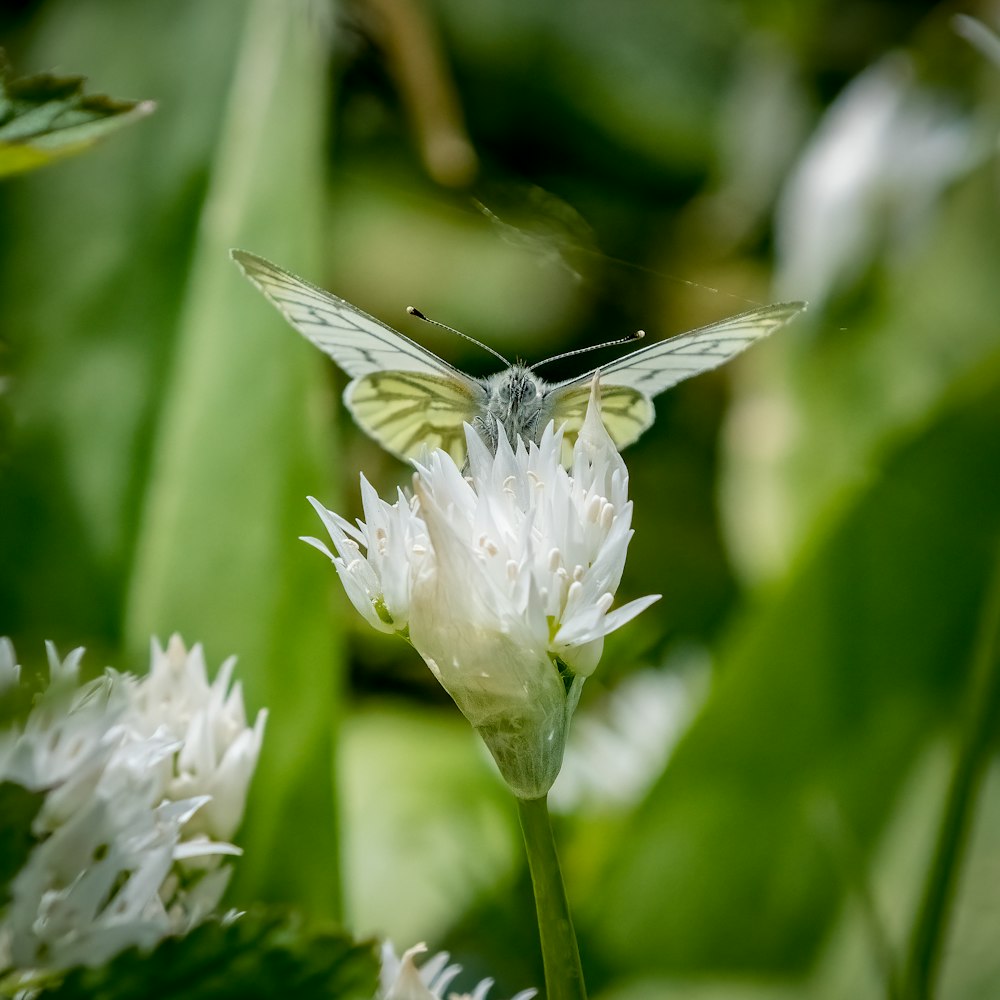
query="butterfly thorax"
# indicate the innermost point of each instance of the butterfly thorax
(515, 400)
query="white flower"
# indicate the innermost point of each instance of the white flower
(67, 741)
(978, 34)
(378, 582)
(621, 744)
(217, 750)
(871, 175)
(400, 979)
(91, 888)
(503, 581)
(10, 671)
(128, 766)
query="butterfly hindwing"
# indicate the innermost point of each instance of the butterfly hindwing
(626, 412)
(359, 343)
(408, 411)
(653, 369)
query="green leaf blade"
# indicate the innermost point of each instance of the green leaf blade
(825, 698)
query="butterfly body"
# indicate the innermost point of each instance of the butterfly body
(517, 401)
(408, 399)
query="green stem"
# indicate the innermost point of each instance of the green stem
(560, 954)
(980, 715)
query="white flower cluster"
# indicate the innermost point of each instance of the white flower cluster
(400, 979)
(503, 581)
(144, 780)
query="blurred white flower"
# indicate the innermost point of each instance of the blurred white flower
(503, 581)
(620, 745)
(127, 765)
(978, 34)
(400, 979)
(10, 671)
(218, 751)
(91, 888)
(66, 741)
(870, 176)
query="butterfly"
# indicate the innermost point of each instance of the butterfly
(407, 398)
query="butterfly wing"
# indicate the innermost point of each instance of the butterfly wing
(402, 395)
(628, 384)
(408, 411)
(359, 343)
(626, 412)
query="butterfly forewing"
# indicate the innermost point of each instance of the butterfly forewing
(659, 366)
(408, 411)
(359, 343)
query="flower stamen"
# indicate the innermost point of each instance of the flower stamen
(607, 515)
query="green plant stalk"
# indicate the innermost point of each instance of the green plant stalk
(560, 953)
(983, 693)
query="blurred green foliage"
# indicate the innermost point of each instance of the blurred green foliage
(819, 516)
(257, 956)
(45, 117)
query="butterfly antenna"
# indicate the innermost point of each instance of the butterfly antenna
(414, 311)
(638, 335)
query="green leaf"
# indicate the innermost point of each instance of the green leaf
(88, 334)
(825, 697)
(406, 769)
(259, 955)
(243, 436)
(46, 117)
(18, 809)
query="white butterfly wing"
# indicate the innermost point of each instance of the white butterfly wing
(359, 343)
(401, 394)
(659, 366)
(628, 384)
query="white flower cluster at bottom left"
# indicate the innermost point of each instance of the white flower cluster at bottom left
(144, 779)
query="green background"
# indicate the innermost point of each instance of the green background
(821, 517)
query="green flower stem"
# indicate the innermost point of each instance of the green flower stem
(973, 753)
(560, 954)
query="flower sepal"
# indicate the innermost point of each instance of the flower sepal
(528, 743)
